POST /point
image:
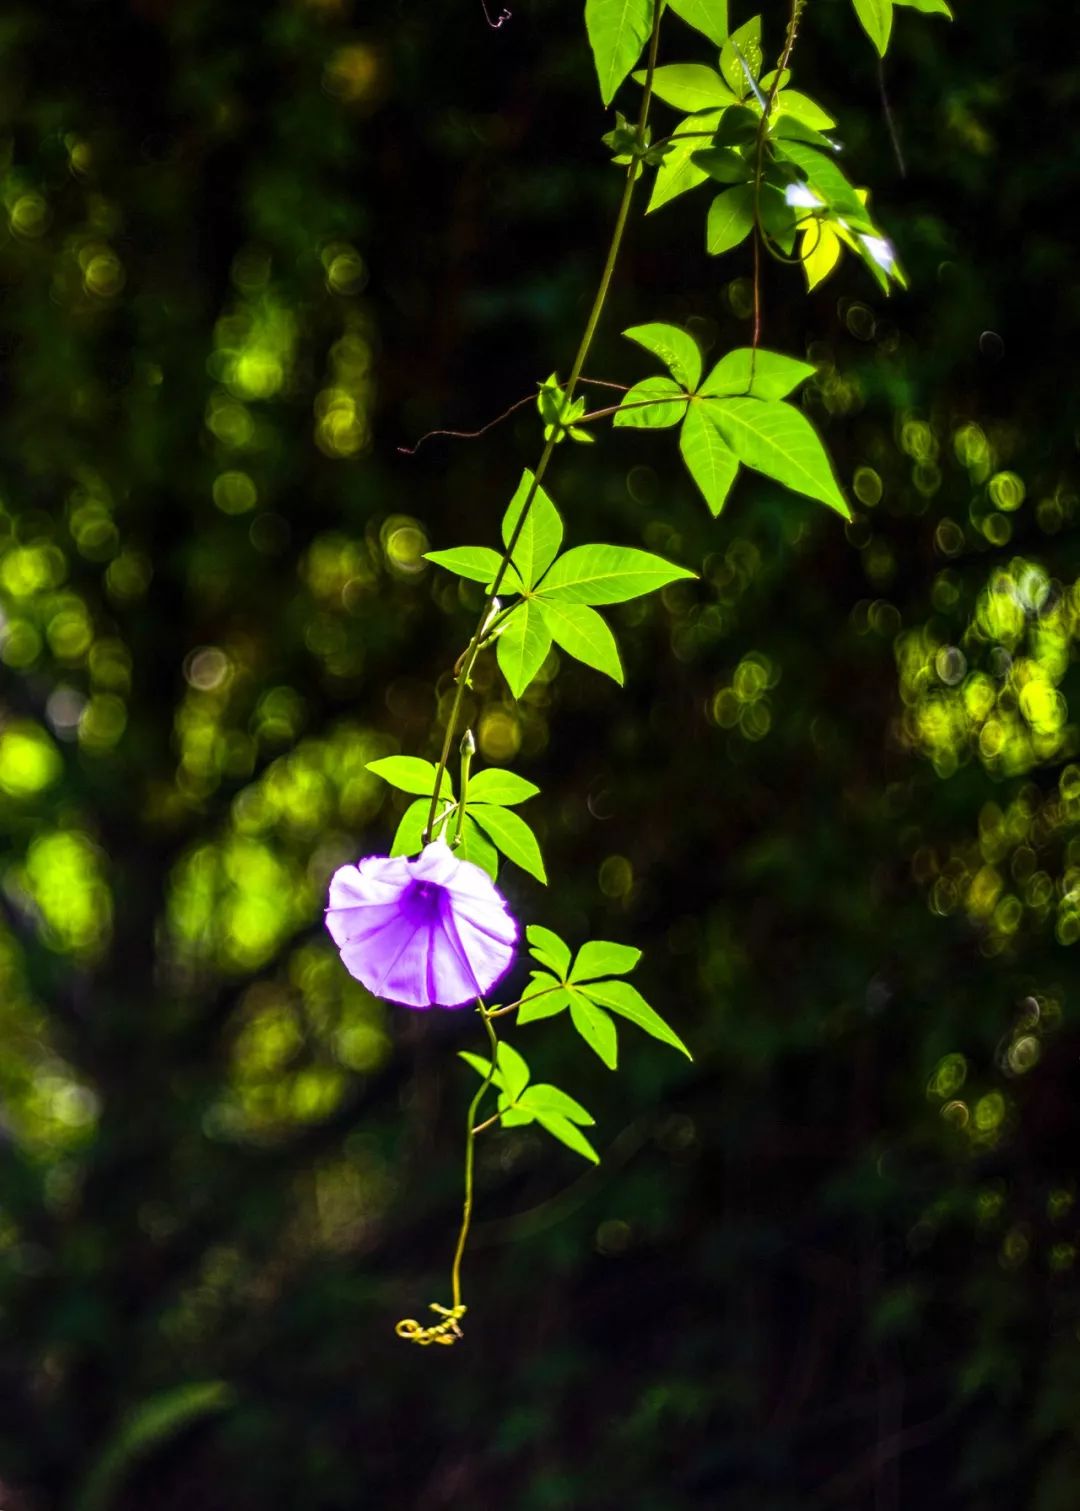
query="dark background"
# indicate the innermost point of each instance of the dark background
(248, 252)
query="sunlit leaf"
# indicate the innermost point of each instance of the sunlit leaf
(876, 18)
(676, 348)
(637, 412)
(523, 645)
(928, 7)
(618, 30)
(707, 16)
(627, 1001)
(731, 219)
(803, 108)
(548, 948)
(608, 574)
(764, 374)
(410, 774)
(541, 535)
(690, 86)
(709, 459)
(581, 633)
(602, 957)
(779, 441)
(595, 1027)
(513, 837)
(542, 998)
(827, 182)
(567, 1133)
(677, 173)
(477, 563)
(549, 1099)
(477, 848)
(409, 839)
(495, 785)
(820, 248)
(744, 44)
(513, 1070)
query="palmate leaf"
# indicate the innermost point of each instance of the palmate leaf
(581, 633)
(779, 441)
(763, 374)
(676, 348)
(513, 1070)
(928, 7)
(876, 19)
(512, 835)
(541, 535)
(825, 180)
(409, 839)
(608, 574)
(523, 645)
(618, 31)
(477, 848)
(709, 459)
(543, 1098)
(567, 1133)
(789, 102)
(707, 16)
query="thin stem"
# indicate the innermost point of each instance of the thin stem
(512, 1007)
(470, 1151)
(472, 650)
(759, 158)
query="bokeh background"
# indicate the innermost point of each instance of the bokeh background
(248, 251)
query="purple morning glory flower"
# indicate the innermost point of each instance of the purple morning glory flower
(431, 931)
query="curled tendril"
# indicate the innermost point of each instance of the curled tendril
(445, 1332)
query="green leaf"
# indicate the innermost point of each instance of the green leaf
(409, 839)
(480, 1065)
(677, 173)
(494, 785)
(410, 774)
(744, 41)
(791, 128)
(737, 127)
(876, 18)
(477, 563)
(731, 219)
(618, 30)
(765, 375)
(676, 348)
(803, 108)
(523, 645)
(549, 1099)
(568, 1134)
(634, 411)
(710, 460)
(541, 535)
(707, 16)
(928, 7)
(607, 574)
(514, 838)
(779, 441)
(581, 633)
(514, 1117)
(542, 998)
(476, 847)
(627, 1001)
(601, 957)
(548, 948)
(828, 183)
(778, 218)
(723, 164)
(690, 86)
(513, 1070)
(595, 1027)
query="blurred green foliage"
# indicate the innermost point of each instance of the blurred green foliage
(247, 252)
